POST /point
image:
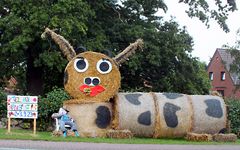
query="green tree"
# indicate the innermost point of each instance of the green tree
(104, 26)
(165, 63)
(24, 52)
(202, 10)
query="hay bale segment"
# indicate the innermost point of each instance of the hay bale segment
(169, 114)
(198, 137)
(91, 118)
(225, 137)
(119, 134)
(136, 112)
(60, 133)
(175, 114)
(209, 114)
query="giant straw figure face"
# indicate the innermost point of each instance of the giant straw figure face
(91, 76)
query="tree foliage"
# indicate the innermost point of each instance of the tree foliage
(49, 104)
(165, 64)
(234, 114)
(22, 49)
(202, 10)
(104, 26)
(235, 53)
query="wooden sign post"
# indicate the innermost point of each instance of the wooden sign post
(22, 107)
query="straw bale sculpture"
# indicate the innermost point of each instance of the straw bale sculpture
(92, 79)
(169, 114)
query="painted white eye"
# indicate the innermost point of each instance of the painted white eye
(80, 64)
(104, 66)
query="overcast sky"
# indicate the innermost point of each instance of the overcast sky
(206, 40)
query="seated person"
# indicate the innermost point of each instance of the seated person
(65, 119)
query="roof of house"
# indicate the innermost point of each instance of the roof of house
(228, 60)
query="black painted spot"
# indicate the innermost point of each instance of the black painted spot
(172, 95)
(103, 117)
(65, 79)
(145, 118)
(224, 130)
(133, 98)
(214, 108)
(169, 111)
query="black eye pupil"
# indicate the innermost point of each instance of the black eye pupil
(104, 66)
(95, 81)
(81, 64)
(88, 80)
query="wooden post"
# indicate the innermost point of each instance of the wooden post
(34, 126)
(9, 125)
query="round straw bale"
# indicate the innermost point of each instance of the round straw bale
(92, 118)
(225, 137)
(88, 66)
(175, 114)
(136, 113)
(209, 114)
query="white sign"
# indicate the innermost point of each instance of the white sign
(22, 106)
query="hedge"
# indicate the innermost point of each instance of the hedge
(234, 114)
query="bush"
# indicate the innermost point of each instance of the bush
(49, 105)
(234, 114)
(3, 104)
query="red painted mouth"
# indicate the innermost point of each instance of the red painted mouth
(91, 90)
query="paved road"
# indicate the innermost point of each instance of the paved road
(46, 145)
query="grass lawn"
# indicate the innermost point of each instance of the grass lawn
(46, 136)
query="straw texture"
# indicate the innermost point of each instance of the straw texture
(209, 114)
(60, 133)
(198, 137)
(110, 81)
(169, 114)
(119, 134)
(225, 137)
(115, 121)
(175, 114)
(130, 50)
(136, 113)
(92, 119)
(157, 130)
(64, 45)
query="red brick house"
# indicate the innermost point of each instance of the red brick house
(219, 73)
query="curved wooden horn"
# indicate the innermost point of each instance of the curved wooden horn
(64, 45)
(130, 50)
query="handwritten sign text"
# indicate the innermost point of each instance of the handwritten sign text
(22, 106)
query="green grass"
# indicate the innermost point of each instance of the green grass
(46, 136)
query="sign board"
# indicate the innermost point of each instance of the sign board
(22, 106)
